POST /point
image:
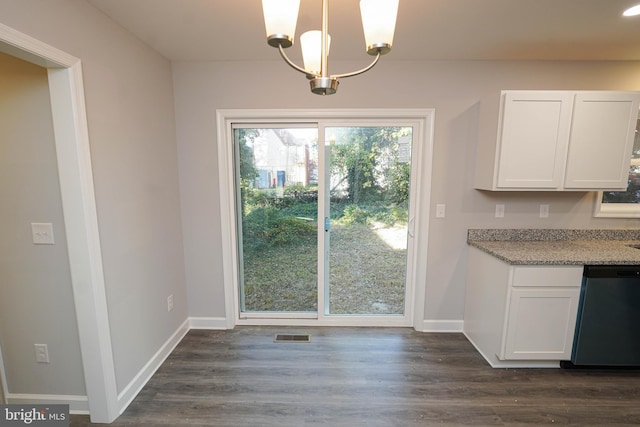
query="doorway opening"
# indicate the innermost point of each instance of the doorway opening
(80, 218)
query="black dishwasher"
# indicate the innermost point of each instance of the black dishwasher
(608, 324)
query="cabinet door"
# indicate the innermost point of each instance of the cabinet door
(541, 323)
(533, 142)
(602, 133)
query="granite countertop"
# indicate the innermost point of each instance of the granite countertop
(559, 247)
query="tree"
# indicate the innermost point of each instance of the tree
(366, 160)
(248, 172)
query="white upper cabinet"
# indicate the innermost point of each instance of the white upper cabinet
(561, 140)
(601, 140)
(535, 133)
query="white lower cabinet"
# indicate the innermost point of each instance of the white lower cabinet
(540, 323)
(521, 316)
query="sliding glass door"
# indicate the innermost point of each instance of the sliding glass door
(322, 228)
(277, 204)
(368, 206)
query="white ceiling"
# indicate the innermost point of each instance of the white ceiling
(233, 30)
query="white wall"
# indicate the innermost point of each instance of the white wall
(465, 97)
(36, 301)
(129, 98)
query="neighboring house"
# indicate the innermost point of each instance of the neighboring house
(281, 159)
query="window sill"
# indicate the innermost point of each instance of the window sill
(616, 210)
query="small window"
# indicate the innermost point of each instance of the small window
(624, 204)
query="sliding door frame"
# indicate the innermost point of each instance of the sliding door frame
(422, 150)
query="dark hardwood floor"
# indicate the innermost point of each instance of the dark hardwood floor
(367, 377)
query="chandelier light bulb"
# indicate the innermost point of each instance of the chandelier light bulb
(379, 24)
(311, 44)
(280, 19)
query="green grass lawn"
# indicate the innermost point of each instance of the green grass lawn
(281, 278)
(367, 273)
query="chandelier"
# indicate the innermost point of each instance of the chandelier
(281, 16)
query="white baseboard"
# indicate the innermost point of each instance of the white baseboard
(140, 380)
(78, 405)
(221, 323)
(208, 323)
(442, 326)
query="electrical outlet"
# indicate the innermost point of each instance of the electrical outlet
(42, 233)
(544, 211)
(499, 211)
(170, 302)
(42, 353)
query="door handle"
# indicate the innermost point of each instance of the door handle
(411, 228)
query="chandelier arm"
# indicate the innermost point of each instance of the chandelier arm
(355, 73)
(294, 66)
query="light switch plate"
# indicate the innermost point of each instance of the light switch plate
(544, 211)
(42, 233)
(42, 353)
(440, 210)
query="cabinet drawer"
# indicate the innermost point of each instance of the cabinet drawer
(533, 276)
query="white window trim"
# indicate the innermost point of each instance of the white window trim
(224, 121)
(617, 210)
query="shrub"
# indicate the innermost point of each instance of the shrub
(390, 215)
(269, 226)
(355, 214)
(290, 230)
(303, 209)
